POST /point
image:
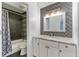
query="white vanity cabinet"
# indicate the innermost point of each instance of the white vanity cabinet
(35, 47)
(43, 48)
(50, 48)
(52, 52)
(67, 50)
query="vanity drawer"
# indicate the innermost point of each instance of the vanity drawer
(53, 44)
(43, 42)
(50, 43)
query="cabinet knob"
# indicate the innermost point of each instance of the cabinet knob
(34, 56)
(60, 50)
(66, 46)
(47, 47)
(38, 43)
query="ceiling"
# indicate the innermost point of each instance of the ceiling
(44, 4)
(15, 6)
(22, 6)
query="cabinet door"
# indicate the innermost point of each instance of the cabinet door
(67, 50)
(35, 47)
(53, 49)
(52, 52)
(43, 48)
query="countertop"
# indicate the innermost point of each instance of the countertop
(55, 38)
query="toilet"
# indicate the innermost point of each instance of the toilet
(22, 47)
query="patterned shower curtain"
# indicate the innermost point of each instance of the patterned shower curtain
(6, 41)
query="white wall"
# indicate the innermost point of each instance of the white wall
(0, 30)
(78, 29)
(75, 25)
(33, 25)
(75, 21)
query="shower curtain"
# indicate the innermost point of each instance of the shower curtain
(6, 41)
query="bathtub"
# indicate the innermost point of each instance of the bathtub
(16, 46)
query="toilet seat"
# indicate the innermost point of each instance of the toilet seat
(22, 47)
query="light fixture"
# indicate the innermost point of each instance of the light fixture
(54, 12)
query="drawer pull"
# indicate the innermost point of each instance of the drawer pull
(60, 50)
(38, 43)
(34, 56)
(47, 47)
(66, 46)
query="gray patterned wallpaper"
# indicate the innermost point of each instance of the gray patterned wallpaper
(67, 7)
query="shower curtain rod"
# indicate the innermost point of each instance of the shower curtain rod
(13, 11)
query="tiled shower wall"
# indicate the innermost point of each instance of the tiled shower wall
(24, 26)
(67, 7)
(17, 26)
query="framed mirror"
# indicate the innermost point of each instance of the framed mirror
(54, 22)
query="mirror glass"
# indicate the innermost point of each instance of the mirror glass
(54, 22)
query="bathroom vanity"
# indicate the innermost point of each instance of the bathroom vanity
(46, 46)
(55, 38)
